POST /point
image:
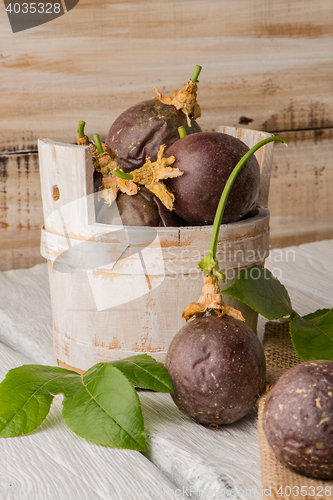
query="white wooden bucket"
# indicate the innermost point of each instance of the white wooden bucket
(118, 291)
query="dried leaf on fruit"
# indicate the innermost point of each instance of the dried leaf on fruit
(105, 163)
(210, 300)
(184, 99)
(112, 184)
(152, 173)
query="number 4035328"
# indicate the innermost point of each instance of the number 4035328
(302, 491)
(34, 8)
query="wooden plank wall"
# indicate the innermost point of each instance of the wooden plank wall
(266, 66)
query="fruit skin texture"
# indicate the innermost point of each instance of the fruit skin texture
(207, 159)
(217, 367)
(298, 419)
(142, 209)
(140, 131)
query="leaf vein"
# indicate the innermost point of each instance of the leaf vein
(106, 411)
(33, 395)
(154, 376)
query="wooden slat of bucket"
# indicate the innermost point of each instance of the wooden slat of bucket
(66, 180)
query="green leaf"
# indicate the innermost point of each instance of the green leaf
(315, 314)
(220, 275)
(145, 372)
(312, 335)
(207, 264)
(26, 395)
(259, 289)
(104, 407)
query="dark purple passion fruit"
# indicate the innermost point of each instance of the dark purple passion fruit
(142, 209)
(217, 367)
(298, 419)
(207, 160)
(140, 131)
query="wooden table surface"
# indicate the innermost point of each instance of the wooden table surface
(185, 459)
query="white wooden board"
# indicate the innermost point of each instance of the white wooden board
(265, 64)
(185, 457)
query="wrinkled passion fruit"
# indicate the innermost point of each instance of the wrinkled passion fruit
(140, 131)
(217, 367)
(298, 419)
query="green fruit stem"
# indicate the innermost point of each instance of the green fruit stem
(98, 144)
(210, 262)
(122, 175)
(80, 129)
(196, 73)
(182, 132)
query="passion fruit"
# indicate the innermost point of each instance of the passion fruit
(207, 159)
(140, 131)
(298, 419)
(142, 209)
(217, 367)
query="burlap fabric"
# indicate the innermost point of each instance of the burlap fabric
(278, 481)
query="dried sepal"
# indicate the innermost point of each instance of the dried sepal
(109, 188)
(160, 190)
(184, 99)
(210, 300)
(234, 313)
(109, 151)
(111, 185)
(105, 163)
(111, 182)
(83, 141)
(152, 173)
(268, 387)
(95, 163)
(127, 186)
